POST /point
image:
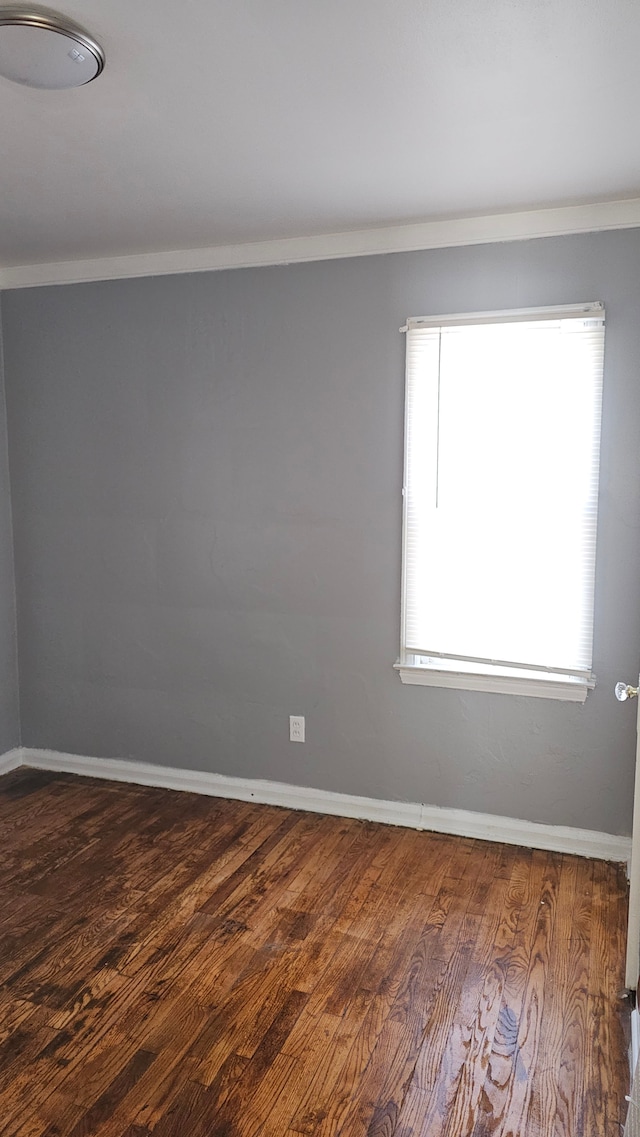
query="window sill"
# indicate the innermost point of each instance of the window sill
(540, 686)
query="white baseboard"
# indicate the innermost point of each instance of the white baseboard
(222, 785)
(11, 760)
(414, 815)
(532, 834)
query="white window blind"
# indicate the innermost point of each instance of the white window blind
(500, 495)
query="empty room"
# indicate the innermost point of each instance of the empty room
(319, 552)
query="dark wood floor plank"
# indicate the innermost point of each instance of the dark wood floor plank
(181, 966)
(104, 1105)
(606, 1107)
(507, 1090)
(477, 1024)
(550, 1087)
(326, 1033)
(505, 1072)
(179, 894)
(324, 1046)
(428, 984)
(448, 1034)
(570, 1113)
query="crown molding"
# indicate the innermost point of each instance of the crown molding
(497, 227)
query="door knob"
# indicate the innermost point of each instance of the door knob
(624, 691)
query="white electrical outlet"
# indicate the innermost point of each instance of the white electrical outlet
(296, 728)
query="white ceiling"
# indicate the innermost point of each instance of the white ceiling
(218, 122)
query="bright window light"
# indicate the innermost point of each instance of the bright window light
(500, 499)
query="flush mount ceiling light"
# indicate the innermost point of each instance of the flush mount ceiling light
(42, 49)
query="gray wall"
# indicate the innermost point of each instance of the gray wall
(206, 473)
(9, 704)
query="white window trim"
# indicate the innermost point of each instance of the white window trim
(497, 679)
(544, 687)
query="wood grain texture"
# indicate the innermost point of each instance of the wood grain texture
(180, 966)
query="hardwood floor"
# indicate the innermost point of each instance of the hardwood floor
(190, 967)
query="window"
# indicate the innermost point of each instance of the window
(500, 500)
